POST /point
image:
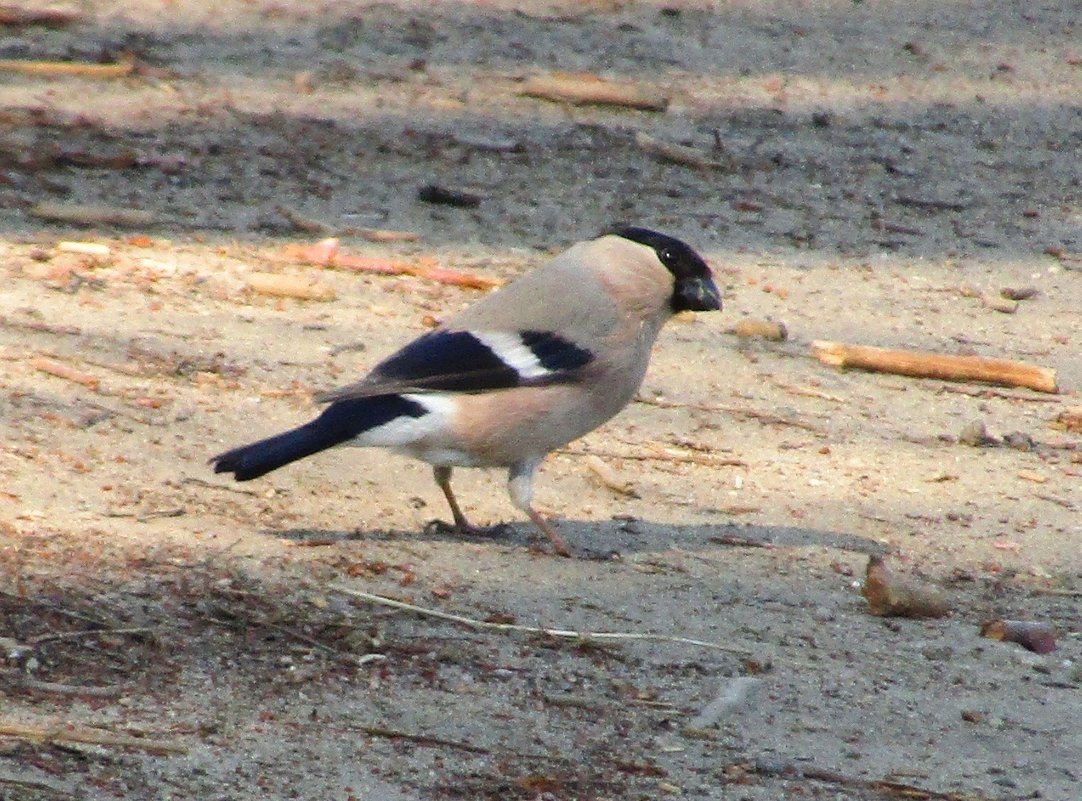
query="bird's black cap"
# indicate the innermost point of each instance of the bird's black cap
(694, 288)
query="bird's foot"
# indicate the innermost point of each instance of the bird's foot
(502, 531)
(498, 530)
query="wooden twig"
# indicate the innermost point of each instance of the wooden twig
(65, 371)
(588, 89)
(677, 154)
(736, 411)
(326, 254)
(60, 610)
(569, 634)
(794, 770)
(41, 327)
(652, 452)
(82, 214)
(930, 203)
(734, 541)
(73, 635)
(442, 742)
(809, 392)
(38, 784)
(306, 224)
(223, 487)
(313, 226)
(664, 454)
(443, 275)
(924, 364)
(988, 392)
(1056, 591)
(56, 688)
(72, 733)
(96, 158)
(419, 739)
(607, 477)
(384, 234)
(78, 68)
(1066, 504)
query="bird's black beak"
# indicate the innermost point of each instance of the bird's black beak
(696, 294)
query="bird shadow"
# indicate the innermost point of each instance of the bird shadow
(600, 539)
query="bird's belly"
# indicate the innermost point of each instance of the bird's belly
(444, 456)
(512, 426)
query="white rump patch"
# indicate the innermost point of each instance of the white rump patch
(512, 351)
(405, 431)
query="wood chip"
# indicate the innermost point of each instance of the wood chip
(999, 303)
(1069, 420)
(1034, 636)
(677, 154)
(85, 248)
(1032, 475)
(582, 88)
(290, 286)
(890, 595)
(1018, 293)
(751, 328)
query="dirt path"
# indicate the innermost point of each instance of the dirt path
(879, 167)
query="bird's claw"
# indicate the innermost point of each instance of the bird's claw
(442, 527)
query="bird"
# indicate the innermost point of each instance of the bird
(527, 369)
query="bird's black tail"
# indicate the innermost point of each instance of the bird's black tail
(341, 421)
(259, 458)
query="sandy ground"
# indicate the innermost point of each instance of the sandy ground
(880, 167)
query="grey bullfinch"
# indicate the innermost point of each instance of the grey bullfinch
(527, 369)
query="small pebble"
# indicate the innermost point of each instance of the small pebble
(1000, 304)
(975, 434)
(1019, 440)
(1018, 293)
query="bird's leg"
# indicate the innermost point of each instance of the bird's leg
(442, 474)
(520, 487)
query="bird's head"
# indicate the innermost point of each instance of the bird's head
(693, 285)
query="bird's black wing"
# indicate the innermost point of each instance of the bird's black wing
(467, 361)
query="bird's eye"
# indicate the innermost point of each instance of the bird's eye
(668, 257)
